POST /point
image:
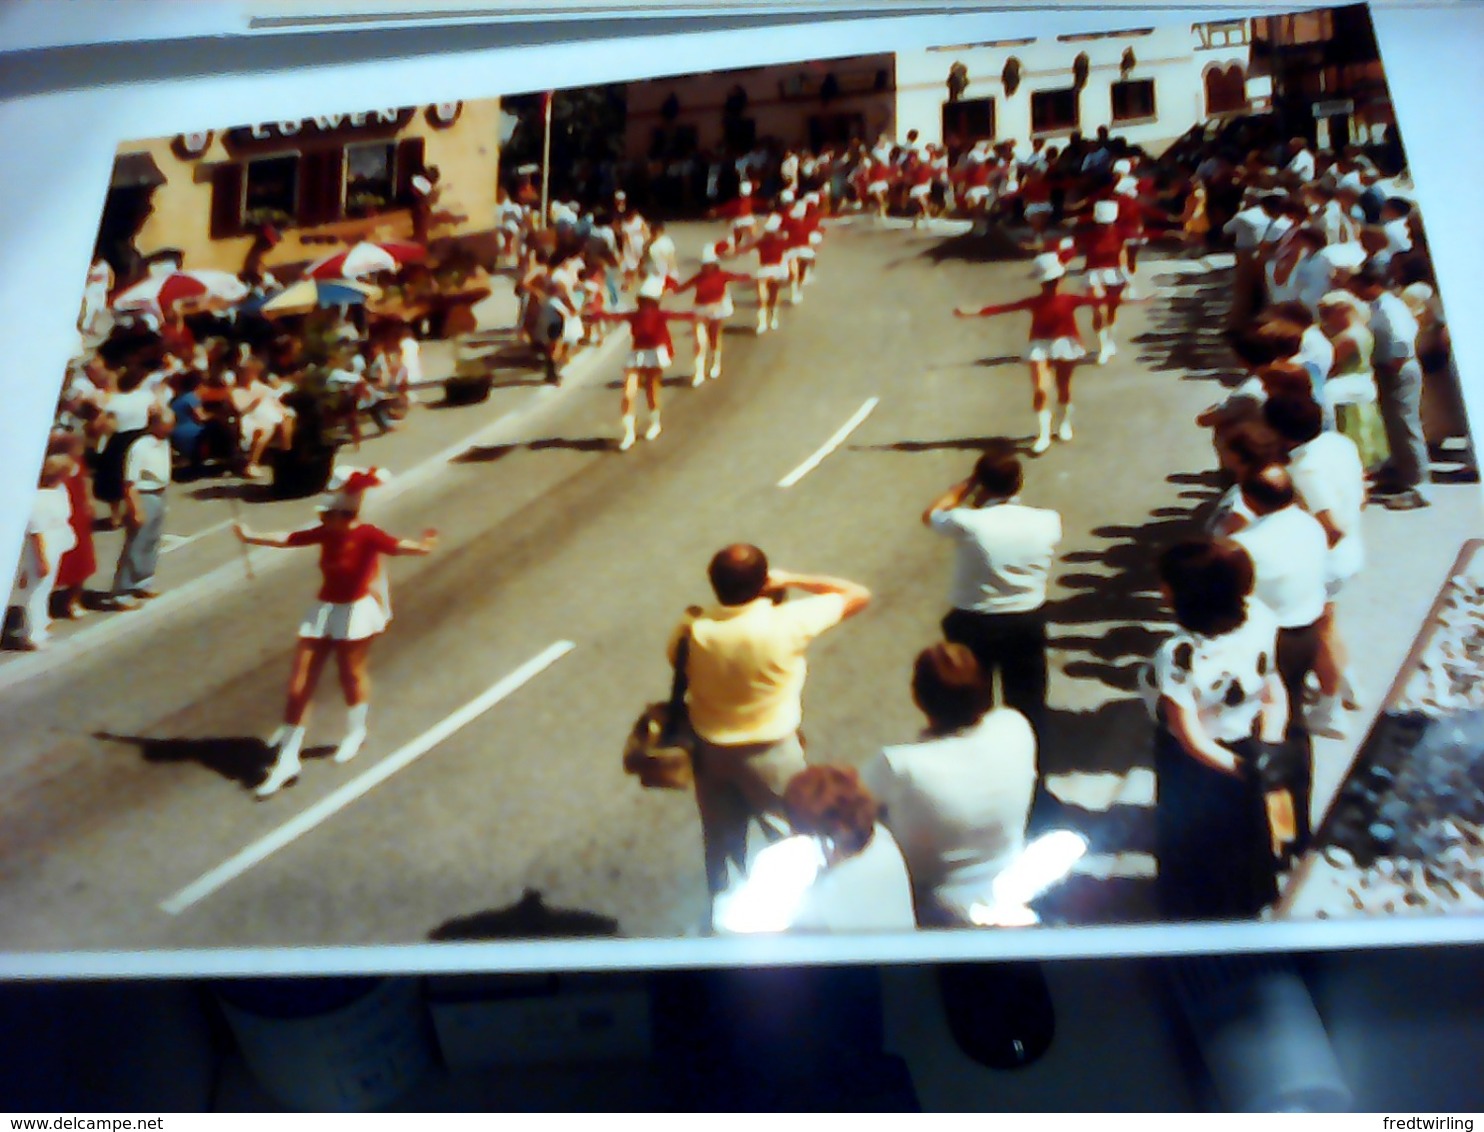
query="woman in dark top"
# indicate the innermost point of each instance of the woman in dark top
(1218, 702)
(195, 436)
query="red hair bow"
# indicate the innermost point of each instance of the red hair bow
(360, 481)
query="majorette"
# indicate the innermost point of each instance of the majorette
(352, 609)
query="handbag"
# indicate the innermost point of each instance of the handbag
(659, 747)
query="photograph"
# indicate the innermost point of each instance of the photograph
(996, 487)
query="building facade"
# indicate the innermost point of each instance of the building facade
(800, 105)
(1148, 85)
(316, 182)
(1327, 76)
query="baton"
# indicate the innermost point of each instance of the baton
(246, 552)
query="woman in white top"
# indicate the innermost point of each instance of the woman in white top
(841, 870)
(49, 535)
(559, 329)
(262, 418)
(957, 800)
(1217, 700)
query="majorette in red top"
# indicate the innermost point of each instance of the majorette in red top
(349, 559)
(1052, 316)
(1102, 244)
(710, 284)
(770, 248)
(649, 327)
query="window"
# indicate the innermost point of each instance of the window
(673, 143)
(739, 134)
(1226, 90)
(1133, 99)
(835, 130)
(966, 122)
(272, 192)
(1053, 110)
(1086, 36)
(1224, 33)
(989, 43)
(370, 181)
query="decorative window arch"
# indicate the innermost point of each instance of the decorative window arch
(1226, 88)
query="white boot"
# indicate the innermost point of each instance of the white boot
(794, 298)
(355, 733)
(654, 426)
(1325, 718)
(715, 366)
(773, 322)
(1105, 346)
(276, 739)
(700, 374)
(762, 320)
(1064, 427)
(286, 768)
(1043, 436)
(628, 434)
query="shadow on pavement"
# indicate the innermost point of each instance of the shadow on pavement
(676, 381)
(1113, 739)
(528, 918)
(1019, 444)
(489, 453)
(244, 759)
(988, 363)
(996, 246)
(1125, 593)
(246, 491)
(1187, 330)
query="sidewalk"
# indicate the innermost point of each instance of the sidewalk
(200, 514)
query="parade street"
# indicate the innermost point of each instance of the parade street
(128, 816)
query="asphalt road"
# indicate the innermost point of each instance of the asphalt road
(126, 777)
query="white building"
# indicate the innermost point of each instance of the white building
(1148, 85)
(813, 104)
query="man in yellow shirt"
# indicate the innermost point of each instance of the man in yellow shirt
(745, 681)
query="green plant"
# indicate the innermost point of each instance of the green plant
(265, 215)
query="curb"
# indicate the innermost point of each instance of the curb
(29, 666)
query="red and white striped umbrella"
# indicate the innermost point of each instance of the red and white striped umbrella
(159, 292)
(367, 258)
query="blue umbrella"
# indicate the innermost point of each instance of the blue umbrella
(312, 294)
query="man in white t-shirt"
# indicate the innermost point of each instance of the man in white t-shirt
(1329, 477)
(146, 478)
(1301, 164)
(1290, 558)
(1004, 555)
(1403, 478)
(1247, 230)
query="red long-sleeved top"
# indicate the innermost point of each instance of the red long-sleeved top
(796, 229)
(649, 326)
(1052, 316)
(1102, 244)
(770, 247)
(711, 284)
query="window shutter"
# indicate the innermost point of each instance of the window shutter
(407, 163)
(321, 186)
(227, 185)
